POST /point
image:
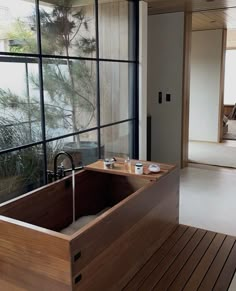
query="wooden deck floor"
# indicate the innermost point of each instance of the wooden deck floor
(190, 259)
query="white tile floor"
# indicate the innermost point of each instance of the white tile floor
(208, 198)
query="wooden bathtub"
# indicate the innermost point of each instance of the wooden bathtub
(105, 253)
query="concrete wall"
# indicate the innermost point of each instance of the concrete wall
(205, 93)
(165, 74)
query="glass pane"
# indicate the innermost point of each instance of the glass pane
(20, 118)
(20, 172)
(18, 26)
(117, 140)
(70, 96)
(116, 30)
(83, 148)
(70, 25)
(116, 95)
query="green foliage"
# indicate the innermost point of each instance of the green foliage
(25, 37)
(69, 87)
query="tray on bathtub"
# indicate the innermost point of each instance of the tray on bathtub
(120, 169)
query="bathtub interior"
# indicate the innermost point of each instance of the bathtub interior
(50, 207)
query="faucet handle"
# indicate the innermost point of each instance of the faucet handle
(50, 176)
(61, 171)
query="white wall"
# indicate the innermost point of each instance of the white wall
(230, 73)
(165, 73)
(205, 85)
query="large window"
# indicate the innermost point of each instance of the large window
(68, 82)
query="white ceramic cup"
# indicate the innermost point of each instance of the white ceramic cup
(139, 168)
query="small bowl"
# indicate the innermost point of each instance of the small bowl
(154, 168)
(109, 163)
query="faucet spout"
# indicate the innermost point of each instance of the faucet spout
(55, 162)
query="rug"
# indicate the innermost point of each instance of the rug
(216, 154)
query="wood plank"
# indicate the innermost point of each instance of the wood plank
(119, 169)
(168, 6)
(49, 206)
(30, 258)
(178, 264)
(17, 277)
(186, 272)
(93, 197)
(159, 255)
(204, 264)
(186, 88)
(140, 224)
(217, 265)
(130, 211)
(123, 216)
(5, 285)
(222, 86)
(224, 280)
(164, 265)
(127, 254)
(232, 286)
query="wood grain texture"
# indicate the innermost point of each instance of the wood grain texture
(165, 6)
(48, 207)
(159, 255)
(222, 86)
(33, 260)
(145, 213)
(215, 19)
(217, 265)
(231, 39)
(227, 273)
(139, 224)
(205, 263)
(196, 259)
(180, 261)
(92, 192)
(186, 272)
(119, 168)
(228, 109)
(186, 87)
(164, 265)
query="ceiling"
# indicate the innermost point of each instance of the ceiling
(164, 6)
(215, 19)
(207, 14)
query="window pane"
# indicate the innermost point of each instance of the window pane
(70, 96)
(116, 83)
(20, 118)
(18, 26)
(116, 30)
(117, 140)
(71, 26)
(83, 148)
(20, 172)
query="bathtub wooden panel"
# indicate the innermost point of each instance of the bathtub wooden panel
(139, 225)
(119, 169)
(49, 207)
(32, 259)
(92, 193)
(122, 187)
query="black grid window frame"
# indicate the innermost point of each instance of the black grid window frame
(39, 56)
